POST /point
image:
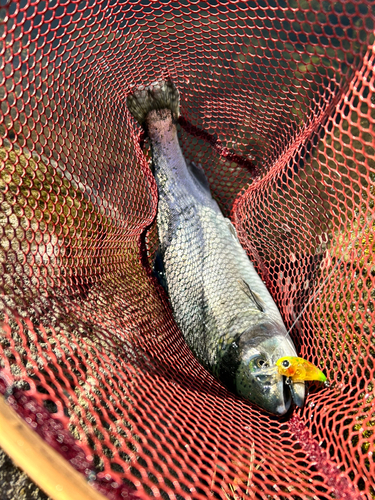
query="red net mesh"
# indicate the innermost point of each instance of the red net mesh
(285, 86)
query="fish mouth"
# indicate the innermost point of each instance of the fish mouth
(291, 391)
(297, 391)
(286, 400)
(279, 390)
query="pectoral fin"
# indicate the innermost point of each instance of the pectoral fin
(254, 297)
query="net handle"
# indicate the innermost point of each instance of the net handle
(47, 468)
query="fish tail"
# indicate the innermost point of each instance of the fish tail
(157, 96)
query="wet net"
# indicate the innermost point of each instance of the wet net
(90, 355)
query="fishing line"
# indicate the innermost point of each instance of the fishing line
(317, 292)
(330, 274)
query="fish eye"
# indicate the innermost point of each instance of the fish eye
(260, 363)
(285, 363)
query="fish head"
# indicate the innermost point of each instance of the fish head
(249, 368)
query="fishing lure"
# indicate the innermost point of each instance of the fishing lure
(299, 369)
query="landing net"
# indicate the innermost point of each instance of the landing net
(90, 355)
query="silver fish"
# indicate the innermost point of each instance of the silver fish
(225, 312)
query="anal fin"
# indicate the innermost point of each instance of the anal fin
(232, 229)
(197, 172)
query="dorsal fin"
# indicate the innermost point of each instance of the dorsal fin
(159, 270)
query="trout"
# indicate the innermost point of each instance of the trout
(221, 305)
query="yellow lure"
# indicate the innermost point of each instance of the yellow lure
(299, 369)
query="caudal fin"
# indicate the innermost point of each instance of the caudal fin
(158, 95)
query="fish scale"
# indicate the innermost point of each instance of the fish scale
(224, 310)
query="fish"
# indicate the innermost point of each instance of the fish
(221, 305)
